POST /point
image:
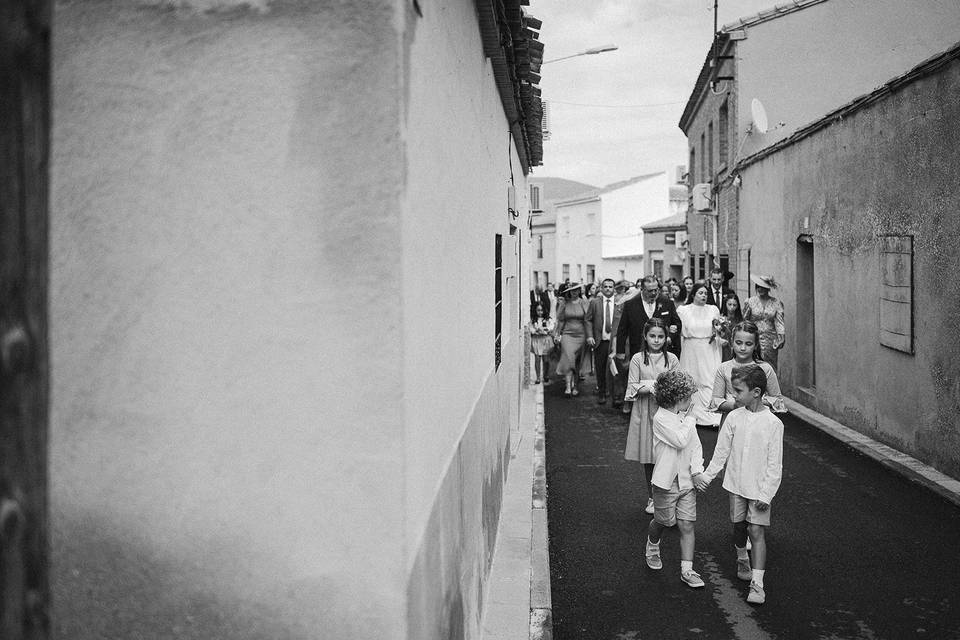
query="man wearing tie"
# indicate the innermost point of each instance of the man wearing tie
(601, 311)
(637, 311)
(718, 289)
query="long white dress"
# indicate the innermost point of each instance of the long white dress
(700, 358)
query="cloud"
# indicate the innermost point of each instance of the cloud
(662, 46)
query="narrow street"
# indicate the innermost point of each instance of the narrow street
(855, 551)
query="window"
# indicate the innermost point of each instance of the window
(566, 272)
(579, 273)
(670, 238)
(591, 273)
(658, 269)
(497, 298)
(701, 177)
(539, 246)
(722, 120)
(535, 197)
(623, 274)
(896, 292)
(566, 225)
(546, 278)
(692, 174)
(710, 152)
(536, 278)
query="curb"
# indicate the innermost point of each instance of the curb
(541, 611)
(896, 461)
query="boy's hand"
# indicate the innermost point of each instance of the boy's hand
(700, 482)
(762, 506)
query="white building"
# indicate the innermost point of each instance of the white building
(544, 192)
(263, 423)
(599, 232)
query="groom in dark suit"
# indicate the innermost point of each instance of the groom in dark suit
(638, 310)
(717, 288)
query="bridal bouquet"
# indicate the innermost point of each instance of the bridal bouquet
(721, 326)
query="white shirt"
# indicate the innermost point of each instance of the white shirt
(605, 335)
(676, 449)
(649, 307)
(753, 441)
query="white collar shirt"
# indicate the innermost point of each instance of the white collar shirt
(649, 307)
(751, 445)
(676, 449)
(607, 307)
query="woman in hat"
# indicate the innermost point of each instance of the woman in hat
(767, 313)
(573, 327)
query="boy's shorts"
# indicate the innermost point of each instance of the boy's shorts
(745, 509)
(670, 505)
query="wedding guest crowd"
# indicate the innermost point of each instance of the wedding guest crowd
(674, 355)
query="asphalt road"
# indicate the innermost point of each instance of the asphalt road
(854, 550)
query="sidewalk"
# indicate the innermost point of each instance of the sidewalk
(910, 468)
(517, 603)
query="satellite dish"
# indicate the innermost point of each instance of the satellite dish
(759, 114)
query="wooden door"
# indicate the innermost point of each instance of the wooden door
(24, 155)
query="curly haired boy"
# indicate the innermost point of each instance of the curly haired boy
(679, 463)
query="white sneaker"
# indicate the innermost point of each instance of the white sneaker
(692, 578)
(757, 594)
(649, 508)
(653, 556)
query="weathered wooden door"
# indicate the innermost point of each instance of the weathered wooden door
(24, 153)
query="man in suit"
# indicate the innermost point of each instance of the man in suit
(552, 296)
(539, 296)
(623, 292)
(601, 313)
(717, 288)
(638, 310)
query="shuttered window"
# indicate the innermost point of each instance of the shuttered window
(896, 292)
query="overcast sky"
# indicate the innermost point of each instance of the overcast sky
(662, 46)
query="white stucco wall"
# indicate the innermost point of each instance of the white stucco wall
(452, 210)
(271, 320)
(210, 476)
(847, 49)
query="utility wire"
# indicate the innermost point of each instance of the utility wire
(615, 106)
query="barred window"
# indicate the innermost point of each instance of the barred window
(498, 299)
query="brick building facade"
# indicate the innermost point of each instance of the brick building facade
(709, 122)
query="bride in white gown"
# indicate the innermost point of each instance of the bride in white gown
(699, 356)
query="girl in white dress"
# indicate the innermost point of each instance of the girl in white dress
(645, 366)
(701, 351)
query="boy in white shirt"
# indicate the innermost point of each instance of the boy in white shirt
(752, 438)
(678, 464)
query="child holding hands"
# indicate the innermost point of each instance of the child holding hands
(745, 345)
(645, 366)
(750, 443)
(677, 470)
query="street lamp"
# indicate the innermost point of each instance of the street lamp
(589, 52)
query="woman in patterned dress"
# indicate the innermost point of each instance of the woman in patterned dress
(573, 327)
(767, 313)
